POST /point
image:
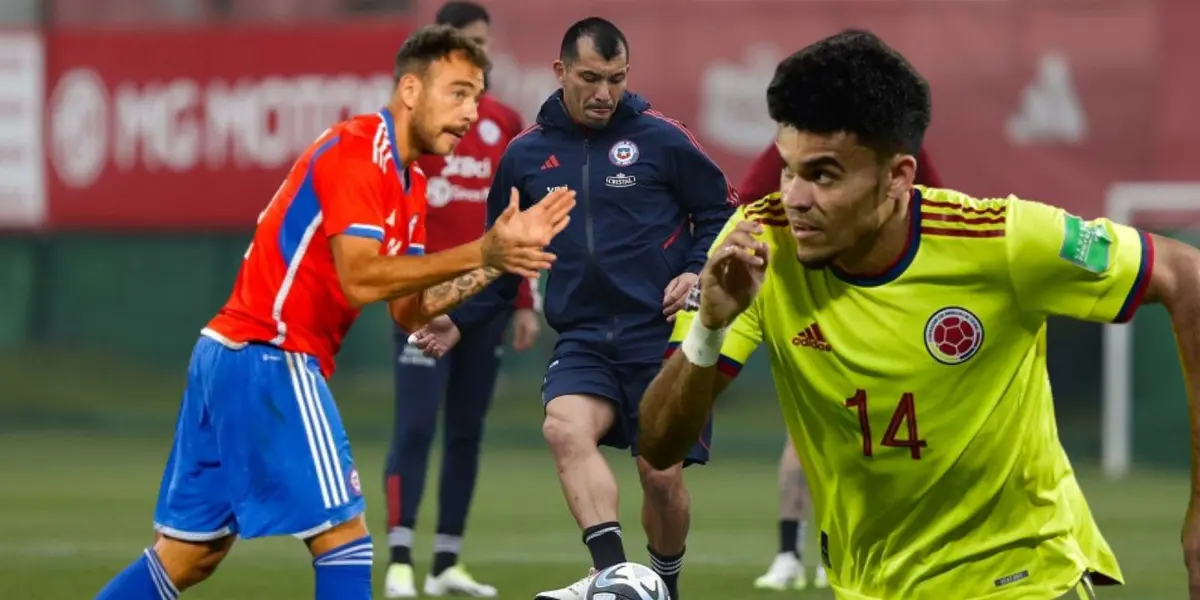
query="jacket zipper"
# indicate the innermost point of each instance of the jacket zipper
(588, 221)
(587, 202)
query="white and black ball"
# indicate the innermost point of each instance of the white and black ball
(627, 581)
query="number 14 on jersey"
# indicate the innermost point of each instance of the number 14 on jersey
(905, 416)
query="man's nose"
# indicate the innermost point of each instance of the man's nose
(798, 194)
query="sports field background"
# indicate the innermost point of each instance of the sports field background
(96, 329)
(90, 395)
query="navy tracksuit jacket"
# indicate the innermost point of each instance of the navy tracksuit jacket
(650, 203)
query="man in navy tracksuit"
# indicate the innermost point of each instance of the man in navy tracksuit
(650, 205)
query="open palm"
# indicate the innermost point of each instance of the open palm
(733, 276)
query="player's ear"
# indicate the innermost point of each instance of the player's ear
(903, 169)
(560, 71)
(409, 88)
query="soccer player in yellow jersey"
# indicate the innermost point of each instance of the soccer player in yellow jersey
(906, 333)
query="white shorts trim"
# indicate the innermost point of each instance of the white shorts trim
(189, 536)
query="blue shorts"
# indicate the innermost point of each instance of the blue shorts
(592, 368)
(259, 449)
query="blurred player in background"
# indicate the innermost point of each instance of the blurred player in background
(652, 202)
(259, 447)
(787, 569)
(465, 379)
(924, 417)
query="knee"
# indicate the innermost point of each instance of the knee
(559, 431)
(663, 483)
(189, 563)
(567, 435)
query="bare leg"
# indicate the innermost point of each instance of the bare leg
(666, 507)
(793, 488)
(795, 506)
(189, 563)
(787, 570)
(337, 536)
(666, 517)
(573, 426)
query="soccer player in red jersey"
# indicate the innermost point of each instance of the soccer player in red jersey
(465, 378)
(259, 447)
(787, 569)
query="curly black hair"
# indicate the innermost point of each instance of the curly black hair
(854, 83)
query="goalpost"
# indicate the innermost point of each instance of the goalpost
(1123, 203)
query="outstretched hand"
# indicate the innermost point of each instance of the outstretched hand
(516, 242)
(733, 275)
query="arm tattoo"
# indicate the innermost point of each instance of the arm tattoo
(445, 296)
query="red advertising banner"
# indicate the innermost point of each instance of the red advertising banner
(1049, 99)
(195, 128)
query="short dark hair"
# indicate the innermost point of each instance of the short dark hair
(461, 14)
(606, 37)
(852, 82)
(432, 43)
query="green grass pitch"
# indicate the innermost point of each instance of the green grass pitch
(77, 509)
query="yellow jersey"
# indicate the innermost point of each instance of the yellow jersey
(919, 400)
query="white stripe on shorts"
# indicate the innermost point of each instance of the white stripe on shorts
(300, 387)
(341, 494)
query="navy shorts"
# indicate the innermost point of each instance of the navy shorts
(593, 368)
(259, 449)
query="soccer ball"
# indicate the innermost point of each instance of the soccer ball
(627, 581)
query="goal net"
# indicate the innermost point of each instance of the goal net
(1145, 419)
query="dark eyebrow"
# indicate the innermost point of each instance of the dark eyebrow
(821, 161)
(602, 75)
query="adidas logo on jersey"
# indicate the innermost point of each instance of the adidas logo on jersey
(812, 337)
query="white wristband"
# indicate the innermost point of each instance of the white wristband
(702, 346)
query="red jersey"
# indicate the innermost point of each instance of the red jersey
(764, 174)
(349, 182)
(459, 183)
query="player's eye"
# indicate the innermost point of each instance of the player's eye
(820, 177)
